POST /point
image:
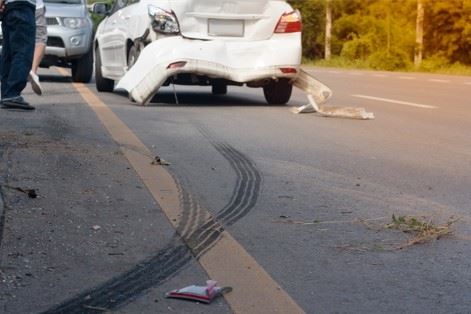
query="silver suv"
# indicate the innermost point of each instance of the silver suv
(70, 35)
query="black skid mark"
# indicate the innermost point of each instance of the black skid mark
(125, 288)
(197, 232)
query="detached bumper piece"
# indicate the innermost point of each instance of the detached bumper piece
(234, 61)
(318, 94)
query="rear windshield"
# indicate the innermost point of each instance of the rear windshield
(65, 1)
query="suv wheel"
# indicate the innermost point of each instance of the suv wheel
(102, 84)
(82, 69)
(219, 89)
(278, 92)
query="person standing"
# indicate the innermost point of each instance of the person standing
(19, 29)
(39, 49)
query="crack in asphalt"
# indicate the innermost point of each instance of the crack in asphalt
(198, 232)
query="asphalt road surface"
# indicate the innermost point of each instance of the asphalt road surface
(289, 210)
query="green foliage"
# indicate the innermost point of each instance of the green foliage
(357, 48)
(313, 26)
(98, 18)
(449, 32)
(389, 61)
(381, 33)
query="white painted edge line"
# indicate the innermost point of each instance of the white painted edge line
(379, 75)
(467, 83)
(393, 101)
(438, 81)
(407, 78)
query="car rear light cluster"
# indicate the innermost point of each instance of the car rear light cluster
(289, 23)
(288, 70)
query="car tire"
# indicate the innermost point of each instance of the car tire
(102, 84)
(278, 92)
(82, 69)
(133, 54)
(219, 89)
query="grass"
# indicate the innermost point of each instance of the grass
(421, 231)
(428, 66)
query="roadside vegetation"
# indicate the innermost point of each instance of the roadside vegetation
(392, 35)
(418, 231)
(97, 18)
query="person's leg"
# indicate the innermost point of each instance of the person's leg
(39, 50)
(41, 38)
(5, 58)
(21, 24)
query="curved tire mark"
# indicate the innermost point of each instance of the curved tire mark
(198, 235)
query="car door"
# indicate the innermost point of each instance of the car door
(136, 14)
(127, 18)
(113, 42)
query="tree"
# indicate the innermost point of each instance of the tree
(419, 34)
(328, 29)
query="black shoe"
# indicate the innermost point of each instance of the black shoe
(16, 103)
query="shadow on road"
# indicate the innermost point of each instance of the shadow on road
(55, 78)
(206, 99)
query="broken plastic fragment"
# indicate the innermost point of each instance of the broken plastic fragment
(205, 294)
(318, 94)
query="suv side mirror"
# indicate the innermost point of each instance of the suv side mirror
(99, 8)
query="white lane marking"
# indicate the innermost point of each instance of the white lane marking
(467, 83)
(356, 73)
(407, 78)
(333, 72)
(393, 101)
(438, 81)
(379, 75)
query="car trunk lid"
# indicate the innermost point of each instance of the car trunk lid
(240, 20)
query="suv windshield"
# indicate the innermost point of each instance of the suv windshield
(64, 1)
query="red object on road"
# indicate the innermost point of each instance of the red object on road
(205, 294)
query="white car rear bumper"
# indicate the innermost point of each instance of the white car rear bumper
(237, 61)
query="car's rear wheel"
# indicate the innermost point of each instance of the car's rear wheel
(102, 84)
(219, 89)
(278, 92)
(82, 69)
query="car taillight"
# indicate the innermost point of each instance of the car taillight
(289, 23)
(288, 70)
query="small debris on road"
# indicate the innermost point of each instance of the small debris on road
(96, 227)
(159, 162)
(205, 294)
(422, 231)
(30, 192)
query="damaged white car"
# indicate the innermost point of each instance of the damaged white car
(145, 44)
